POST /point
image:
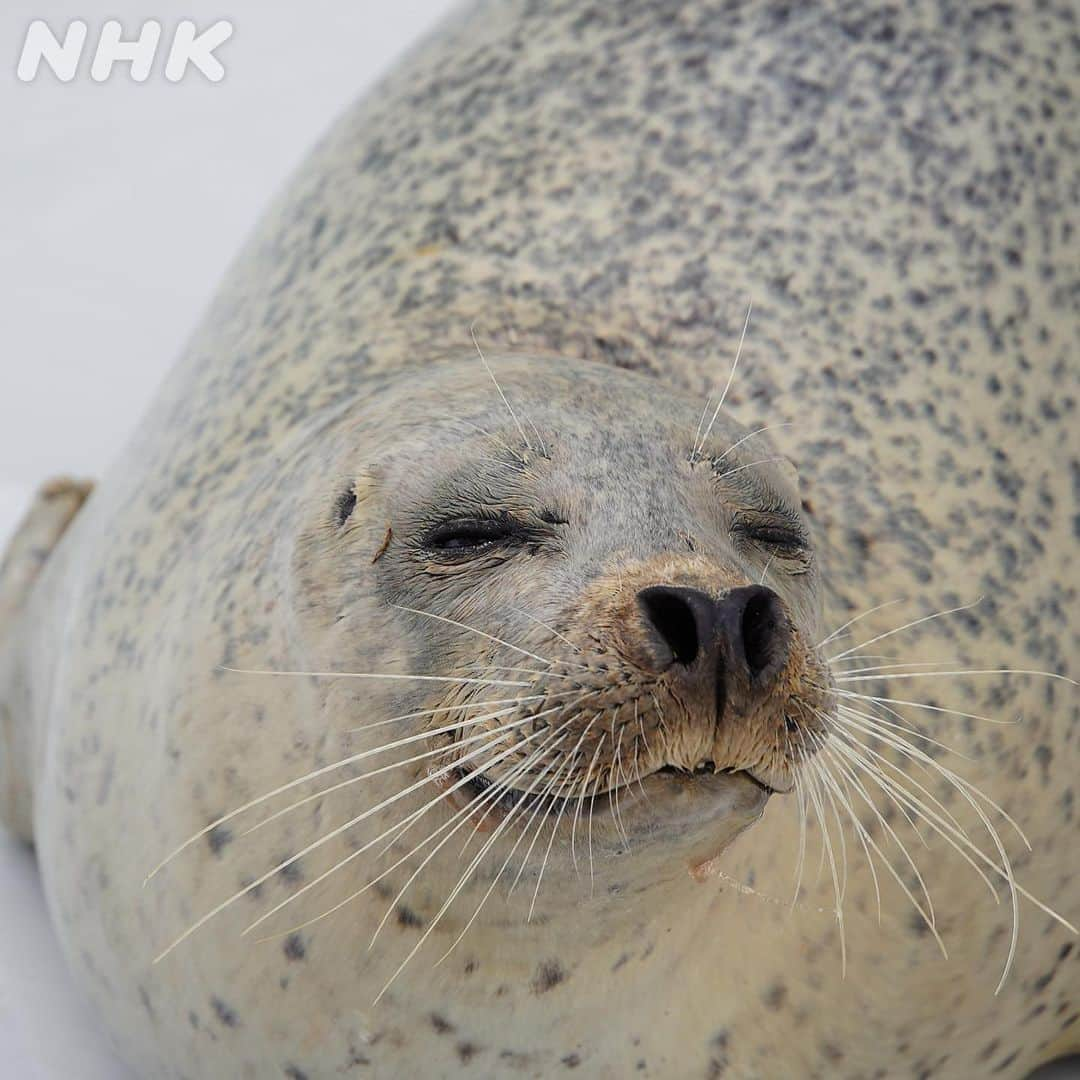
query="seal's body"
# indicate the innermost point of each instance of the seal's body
(596, 184)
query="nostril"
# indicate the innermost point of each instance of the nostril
(761, 630)
(674, 617)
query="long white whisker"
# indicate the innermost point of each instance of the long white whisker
(944, 674)
(750, 435)
(928, 763)
(921, 705)
(814, 772)
(927, 915)
(727, 386)
(472, 629)
(505, 401)
(558, 819)
(851, 622)
(462, 815)
(581, 802)
(546, 626)
(458, 887)
(306, 778)
(499, 790)
(845, 747)
(390, 800)
(374, 675)
(906, 626)
(349, 781)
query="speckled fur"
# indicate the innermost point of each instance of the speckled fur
(895, 187)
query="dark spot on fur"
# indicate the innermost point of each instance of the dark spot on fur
(548, 975)
(572, 1061)
(344, 506)
(515, 1059)
(291, 873)
(441, 1024)
(293, 1073)
(466, 1051)
(218, 837)
(831, 1052)
(294, 948)
(776, 996)
(470, 966)
(224, 1013)
(408, 918)
(1006, 1062)
(718, 1059)
(1044, 756)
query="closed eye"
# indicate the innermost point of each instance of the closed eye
(783, 539)
(462, 535)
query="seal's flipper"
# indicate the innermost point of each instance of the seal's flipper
(52, 511)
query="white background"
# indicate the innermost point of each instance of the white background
(120, 205)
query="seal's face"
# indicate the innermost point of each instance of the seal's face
(623, 616)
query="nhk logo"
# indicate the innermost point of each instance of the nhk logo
(189, 48)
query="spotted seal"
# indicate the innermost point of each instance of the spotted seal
(485, 705)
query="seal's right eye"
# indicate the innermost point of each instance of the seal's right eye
(468, 534)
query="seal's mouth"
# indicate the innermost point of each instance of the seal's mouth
(476, 785)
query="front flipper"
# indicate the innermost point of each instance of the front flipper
(52, 511)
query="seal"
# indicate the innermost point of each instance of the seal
(424, 706)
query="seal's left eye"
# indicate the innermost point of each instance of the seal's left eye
(468, 534)
(781, 538)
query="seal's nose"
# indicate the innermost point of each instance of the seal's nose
(755, 631)
(680, 621)
(738, 643)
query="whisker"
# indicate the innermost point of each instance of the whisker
(922, 705)
(462, 815)
(814, 772)
(914, 732)
(852, 750)
(546, 626)
(886, 667)
(390, 800)
(731, 375)
(906, 626)
(581, 803)
(926, 915)
(306, 778)
(972, 671)
(862, 615)
(749, 465)
(436, 752)
(457, 889)
(373, 675)
(491, 374)
(476, 703)
(843, 790)
(928, 764)
(558, 819)
(499, 790)
(756, 431)
(472, 629)
(477, 427)
(411, 818)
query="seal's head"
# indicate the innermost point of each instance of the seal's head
(609, 610)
